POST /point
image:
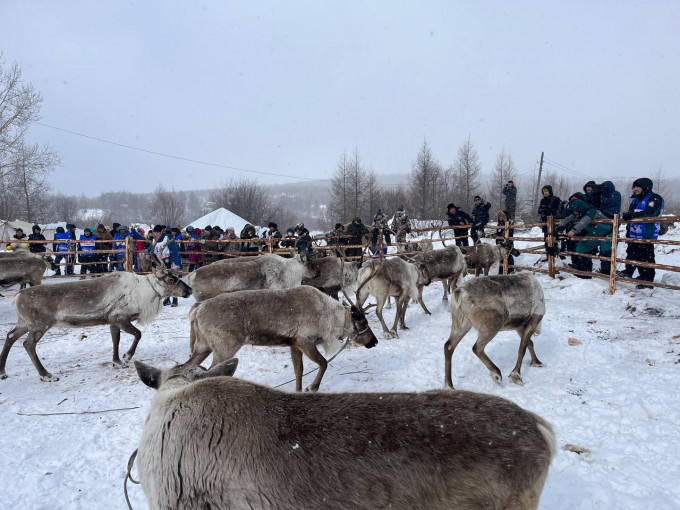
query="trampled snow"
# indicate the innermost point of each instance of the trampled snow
(613, 394)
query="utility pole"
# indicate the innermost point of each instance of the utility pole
(538, 181)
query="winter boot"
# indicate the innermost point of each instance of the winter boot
(166, 301)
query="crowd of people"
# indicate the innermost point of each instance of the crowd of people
(100, 250)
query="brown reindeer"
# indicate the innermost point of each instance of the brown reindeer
(22, 267)
(301, 317)
(116, 299)
(482, 256)
(492, 304)
(212, 441)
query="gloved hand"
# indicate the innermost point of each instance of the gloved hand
(626, 216)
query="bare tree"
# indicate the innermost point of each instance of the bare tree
(340, 193)
(349, 187)
(357, 181)
(19, 107)
(167, 207)
(503, 171)
(28, 171)
(373, 197)
(427, 185)
(246, 198)
(64, 207)
(467, 172)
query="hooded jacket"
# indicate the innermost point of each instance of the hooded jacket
(549, 205)
(610, 202)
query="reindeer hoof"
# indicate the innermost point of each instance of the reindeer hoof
(312, 389)
(127, 356)
(498, 378)
(48, 378)
(537, 364)
(120, 364)
(515, 378)
(3, 376)
(389, 334)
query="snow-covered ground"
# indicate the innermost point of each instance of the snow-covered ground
(613, 394)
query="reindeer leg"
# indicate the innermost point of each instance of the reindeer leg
(127, 326)
(447, 285)
(378, 311)
(487, 334)
(402, 311)
(420, 300)
(12, 337)
(454, 339)
(29, 344)
(310, 350)
(515, 375)
(115, 338)
(535, 362)
(389, 303)
(296, 357)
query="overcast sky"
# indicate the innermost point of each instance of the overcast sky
(286, 86)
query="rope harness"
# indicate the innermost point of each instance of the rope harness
(128, 475)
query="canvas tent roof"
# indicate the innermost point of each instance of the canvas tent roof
(222, 218)
(8, 228)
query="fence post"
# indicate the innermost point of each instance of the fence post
(551, 244)
(380, 244)
(615, 242)
(269, 244)
(506, 235)
(128, 254)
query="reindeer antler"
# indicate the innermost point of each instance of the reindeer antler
(442, 237)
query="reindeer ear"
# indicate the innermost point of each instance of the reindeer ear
(224, 369)
(149, 375)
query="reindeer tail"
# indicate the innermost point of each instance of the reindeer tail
(548, 433)
(458, 316)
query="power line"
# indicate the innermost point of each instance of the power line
(564, 167)
(180, 158)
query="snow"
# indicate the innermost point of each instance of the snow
(612, 395)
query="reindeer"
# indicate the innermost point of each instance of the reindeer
(334, 274)
(213, 441)
(482, 256)
(221, 325)
(447, 266)
(250, 273)
(492, 304)
(22, 267)
(392, 277)
(116, 299)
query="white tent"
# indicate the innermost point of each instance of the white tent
(8, 229)
(222, 218)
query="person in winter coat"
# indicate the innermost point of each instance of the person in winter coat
(139, 246)
(103, 235)
(193, 246)
(18, 240)
(593, 193)
(610, 200)
(549, 205)
(644, 204)
(230, 235)
(37, 236)
(86, 254)
(119, 245)
(500, 233)
(401, 225)
(249, 232)
(458, 217)
(61, 248)
(165, 249)
(584, 214)
(358, 231)
(380, 223)
(71, 257)
(304, 240)
(273, 232)
(480, 217)
(510, 192)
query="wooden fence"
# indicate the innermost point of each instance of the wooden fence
(126, 257)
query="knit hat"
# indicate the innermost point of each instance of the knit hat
(379, 213)
(197, 231)
(451, 206)
(189, 229)
(338, 225)
(645, 183)
(60, 230)
(36, 227)
(273, 225)
(400, 208)
(158, 228)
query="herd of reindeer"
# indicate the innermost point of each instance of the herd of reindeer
(214, 441)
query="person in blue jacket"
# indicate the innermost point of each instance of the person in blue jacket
(119, 246)
(645, 204)
(86, 254)
(610, 199)
(60, 248)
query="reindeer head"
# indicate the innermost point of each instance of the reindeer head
(506, 248)
(360, 332)
(170, 281)
(423, 273)
(182, 374)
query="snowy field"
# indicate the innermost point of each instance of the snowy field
(614, 394)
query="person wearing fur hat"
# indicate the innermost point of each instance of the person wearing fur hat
(644, 204)
(480, 217)
(249, 232)
(380, 223)
(273, 232)
(304, 240)
(401, 225)
(456, 216)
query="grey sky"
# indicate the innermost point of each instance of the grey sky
(285, 87)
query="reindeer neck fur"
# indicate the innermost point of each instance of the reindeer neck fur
(296, 270)
(148, 293)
